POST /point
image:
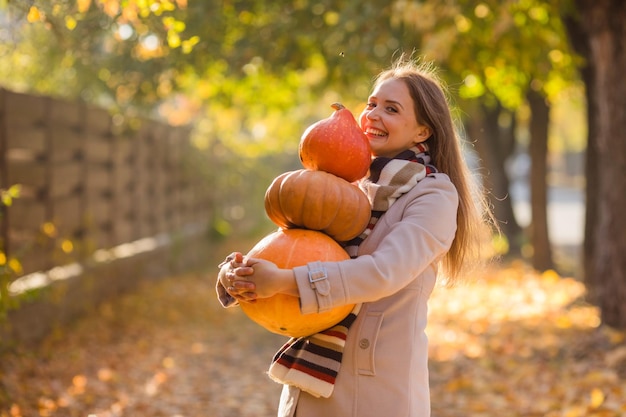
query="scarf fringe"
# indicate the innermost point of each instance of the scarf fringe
(312, 363)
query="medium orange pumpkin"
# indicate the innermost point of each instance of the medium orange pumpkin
(289, 248)
(336, 145)
(317, 200)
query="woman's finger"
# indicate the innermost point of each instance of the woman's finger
(247, 297)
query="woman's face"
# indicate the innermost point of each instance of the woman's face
(389, 120)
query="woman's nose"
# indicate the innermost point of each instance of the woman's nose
(372, 114)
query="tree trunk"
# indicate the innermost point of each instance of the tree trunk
(580, 42)
(494, 147)
(540, 111)
(598, 32)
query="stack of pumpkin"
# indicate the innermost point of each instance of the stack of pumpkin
(315, 208)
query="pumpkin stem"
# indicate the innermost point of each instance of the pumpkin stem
(337, 106)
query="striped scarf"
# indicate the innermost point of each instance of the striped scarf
(390, 178)
(312, 363)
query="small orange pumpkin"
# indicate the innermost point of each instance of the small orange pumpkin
(289, 248)
(336, 145)
(317, 200)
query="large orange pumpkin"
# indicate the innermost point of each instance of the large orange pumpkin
(317, 200)
(281, 313)
(336, 145)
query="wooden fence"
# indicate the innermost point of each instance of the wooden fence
(86, 187)
(83, 187)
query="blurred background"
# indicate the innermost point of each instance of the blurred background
(138, 137)
(164, 122)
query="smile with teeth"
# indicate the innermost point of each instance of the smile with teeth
(375, 132)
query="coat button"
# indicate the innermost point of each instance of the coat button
(364, 343)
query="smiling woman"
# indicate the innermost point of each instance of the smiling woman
(425, 218)
(389, 120)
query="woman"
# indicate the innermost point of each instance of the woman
(425, 215)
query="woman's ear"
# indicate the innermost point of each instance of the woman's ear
(423, 134)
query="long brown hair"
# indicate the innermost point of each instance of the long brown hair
(432, 109)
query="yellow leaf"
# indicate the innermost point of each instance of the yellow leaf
(574, 411)
(33, 15)
(14, 190)
(79, 381)
(160, 377)
(83, 5)
(167, 5)
(15, 265)
(49, 229)
(457, 384)
(596, 398)
(6, 199)
(110, 7)
(563, 322)
(3, 258)
(15, 410)
(188, 44)
(173, 40)
(70, 22)
(169, 362)
(67, 246)
(105, 374)
(550, 276)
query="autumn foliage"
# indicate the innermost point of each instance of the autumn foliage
(514, 343)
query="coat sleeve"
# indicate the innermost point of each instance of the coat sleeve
(413, 240)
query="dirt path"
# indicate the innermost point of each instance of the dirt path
(167, 350)
(513, 344)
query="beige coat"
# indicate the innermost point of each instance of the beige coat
(384, 369)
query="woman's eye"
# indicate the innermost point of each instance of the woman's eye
(371, 105)
(392, 110)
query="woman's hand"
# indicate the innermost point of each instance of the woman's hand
(247, 279)
(232, 276)
(270, 280)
